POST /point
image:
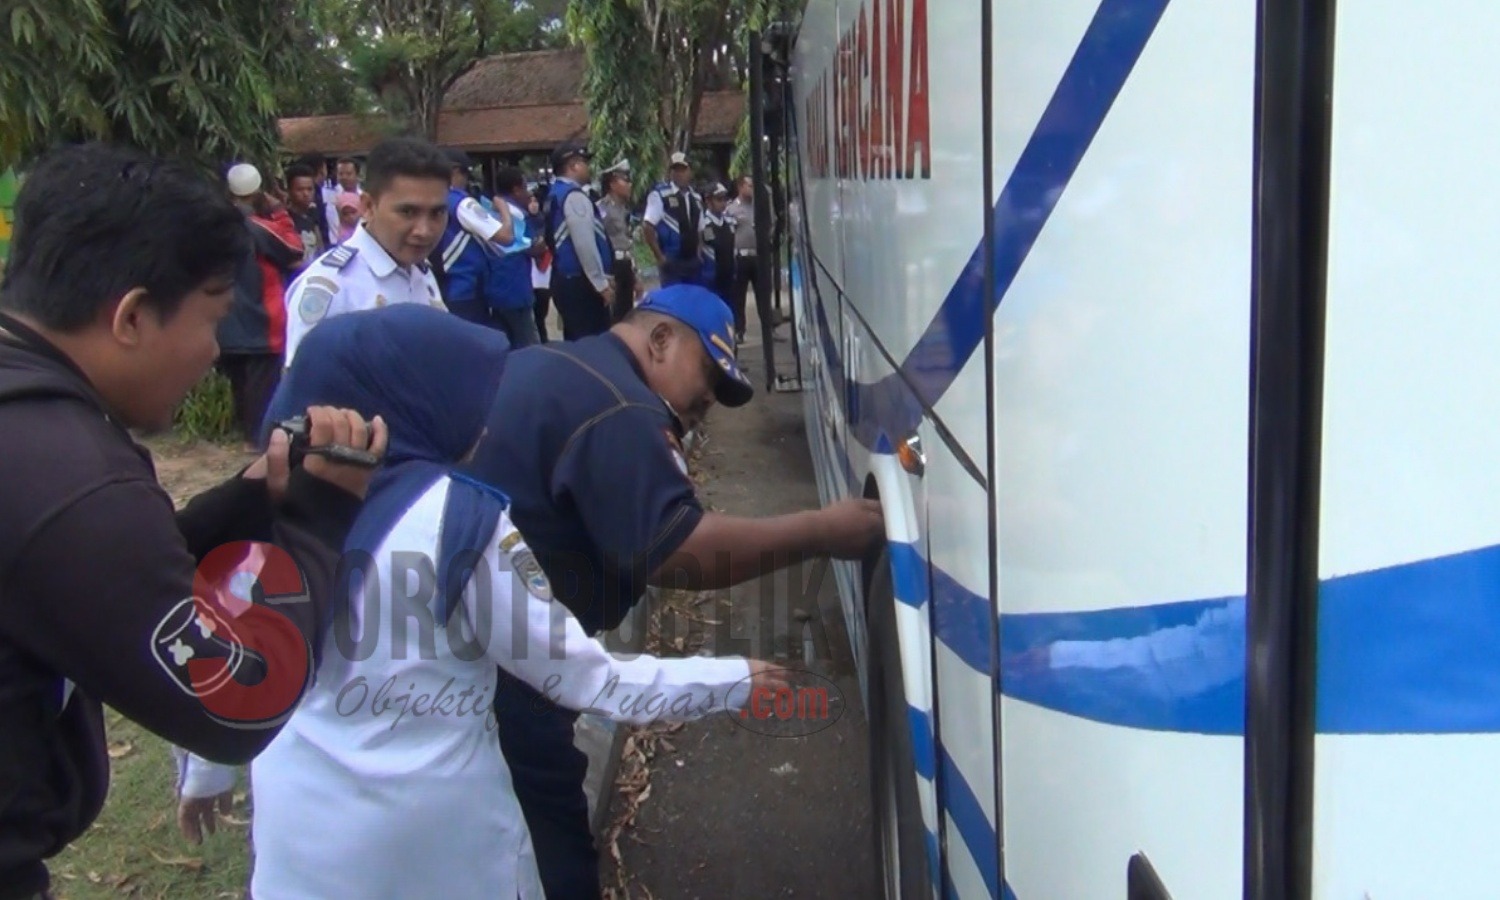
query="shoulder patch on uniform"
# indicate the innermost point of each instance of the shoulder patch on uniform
(315, 301)
(524, 564)
(339, 256)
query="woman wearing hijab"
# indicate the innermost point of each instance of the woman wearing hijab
(388, 781)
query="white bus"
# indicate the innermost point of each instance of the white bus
(1128, 311)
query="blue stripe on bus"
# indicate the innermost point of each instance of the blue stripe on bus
(1100, 66)
(1405, 649)
(922, 750)
(973, 825)
(908, 574)
(934, 860)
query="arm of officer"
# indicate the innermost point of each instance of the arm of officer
(477, 221)
(579, 213)
(653, 215)
(308, 300)
(623, 476)
(556, 657)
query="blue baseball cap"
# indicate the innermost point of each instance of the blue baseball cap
(702, 309)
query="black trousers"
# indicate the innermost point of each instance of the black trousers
(583, 310)
(624, 289)
(746, 270)
(543, 306)
(253, 378)
(547, 772)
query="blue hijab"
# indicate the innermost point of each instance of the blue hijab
(432, 377)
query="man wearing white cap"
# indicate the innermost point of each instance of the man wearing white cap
(674, 214)
(253, 336)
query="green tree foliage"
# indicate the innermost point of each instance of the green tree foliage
(407, 53)
(650, 63)
(322, 83)
(759, 15)
(620, 86)
(192, 78)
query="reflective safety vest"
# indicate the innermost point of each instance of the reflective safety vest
(718, 252)
(460, 258)
(565, 256)
(508, 285)
(682, 216)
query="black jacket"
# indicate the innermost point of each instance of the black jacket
(96, 575)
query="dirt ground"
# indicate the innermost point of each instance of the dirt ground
(189, 468)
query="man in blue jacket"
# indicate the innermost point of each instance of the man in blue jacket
(462, 256)
(507, 285)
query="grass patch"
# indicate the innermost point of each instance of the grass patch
(135, 849)
(207, 413)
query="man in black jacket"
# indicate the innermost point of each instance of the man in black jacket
(120, 270)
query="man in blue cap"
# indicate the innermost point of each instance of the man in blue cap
(587, 438)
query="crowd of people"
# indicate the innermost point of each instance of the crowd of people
(505, 257)
(392, 614)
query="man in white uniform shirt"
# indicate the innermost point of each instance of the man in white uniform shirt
(405, 210)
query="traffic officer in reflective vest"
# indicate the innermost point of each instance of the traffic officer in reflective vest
(718, 245)
(674, 214)
(581, 284)
(405, 212)
(463, 255)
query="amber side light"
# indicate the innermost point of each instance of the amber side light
(909, 454)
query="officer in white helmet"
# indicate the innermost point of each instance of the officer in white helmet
(405, 210)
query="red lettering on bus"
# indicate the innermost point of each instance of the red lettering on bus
(868, 115)
(918, 141)
(879, 158)
(895, 84)
(862, 63)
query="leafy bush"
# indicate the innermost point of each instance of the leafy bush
(207, 413)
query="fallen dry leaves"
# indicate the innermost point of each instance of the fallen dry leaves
(643, 745)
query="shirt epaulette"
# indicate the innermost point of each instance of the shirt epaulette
(340, 256)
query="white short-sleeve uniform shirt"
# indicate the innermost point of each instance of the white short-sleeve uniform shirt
(357, 274)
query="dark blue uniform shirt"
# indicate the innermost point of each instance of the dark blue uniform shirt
(591, 459)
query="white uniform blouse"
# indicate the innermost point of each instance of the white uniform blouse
(388, 781)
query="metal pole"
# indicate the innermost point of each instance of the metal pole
(762, 202)
(782, 67)
(1293, 135)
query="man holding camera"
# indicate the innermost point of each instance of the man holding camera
(120, 270)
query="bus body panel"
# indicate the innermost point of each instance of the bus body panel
(959, 567)
(905, 241)
(1121, 386)
(1409, 616)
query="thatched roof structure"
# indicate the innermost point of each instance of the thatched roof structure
(511, 103)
